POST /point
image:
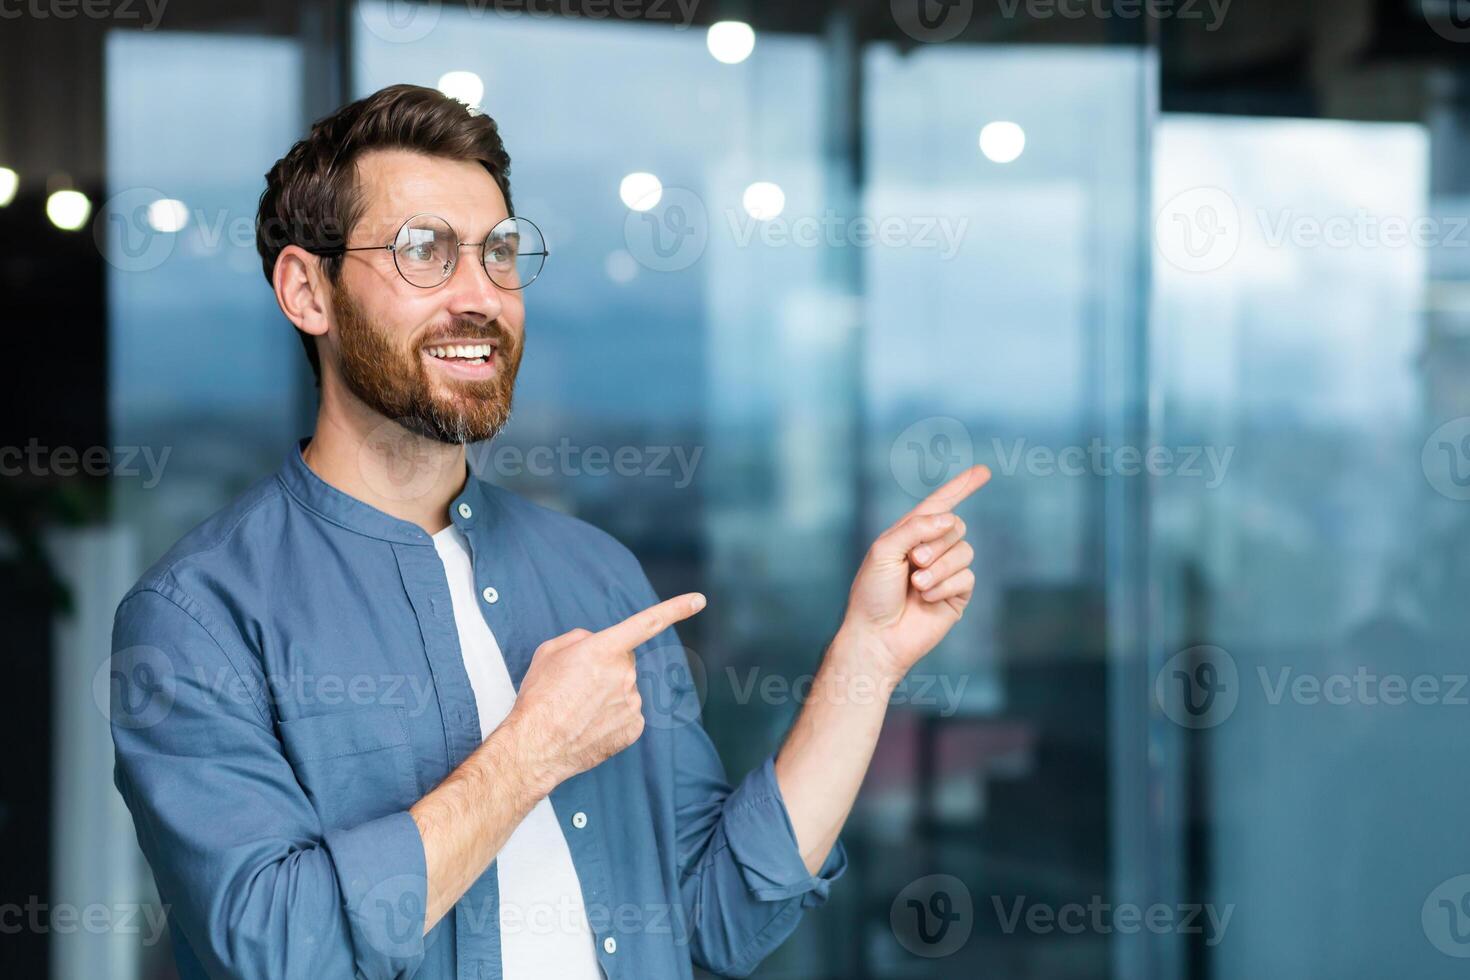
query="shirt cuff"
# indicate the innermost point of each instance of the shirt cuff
(384, 879)
(763, 842)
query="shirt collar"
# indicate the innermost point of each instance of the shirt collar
(469, 508)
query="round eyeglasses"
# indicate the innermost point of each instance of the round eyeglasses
(426, 251)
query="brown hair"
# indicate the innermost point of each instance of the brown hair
(311, 197)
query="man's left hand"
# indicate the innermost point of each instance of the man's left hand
(915, 581)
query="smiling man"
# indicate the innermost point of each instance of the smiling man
(379, 718)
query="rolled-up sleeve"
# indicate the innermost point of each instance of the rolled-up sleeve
(764, 845)
(254, 884)
(743, 883)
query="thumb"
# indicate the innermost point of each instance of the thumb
(565, 640)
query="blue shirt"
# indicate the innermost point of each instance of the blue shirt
(287, 682)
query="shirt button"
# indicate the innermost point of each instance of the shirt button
(610, 944)
(464, 511)
(579, 820)
(491, 596)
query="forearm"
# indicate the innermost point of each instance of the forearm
(827, 752)
(466, 819)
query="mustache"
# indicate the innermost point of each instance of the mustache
(471, 330)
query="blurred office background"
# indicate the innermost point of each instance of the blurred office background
(1192, 278)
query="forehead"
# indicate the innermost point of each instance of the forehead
(395, 184)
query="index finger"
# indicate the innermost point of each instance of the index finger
(644, 626)
(953, 492)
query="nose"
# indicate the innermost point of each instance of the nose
(471, 294)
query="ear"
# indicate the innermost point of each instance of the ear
(302, 290)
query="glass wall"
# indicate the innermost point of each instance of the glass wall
(204, 370)
(205, 396)
(1314, 586)
(994, 338)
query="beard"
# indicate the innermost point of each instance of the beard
(396, 383)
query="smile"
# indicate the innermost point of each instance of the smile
(465, 353)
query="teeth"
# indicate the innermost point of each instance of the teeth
(468, 352)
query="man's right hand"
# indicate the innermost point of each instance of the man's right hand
(579, 702)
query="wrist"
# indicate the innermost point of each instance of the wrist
(858, 655)
(522, 754)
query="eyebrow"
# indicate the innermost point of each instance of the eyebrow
(392, 232)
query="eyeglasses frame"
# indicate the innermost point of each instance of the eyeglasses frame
(545, 253)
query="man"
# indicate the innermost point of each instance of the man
(378, 718)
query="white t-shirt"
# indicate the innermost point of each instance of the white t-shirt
(544, 930)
